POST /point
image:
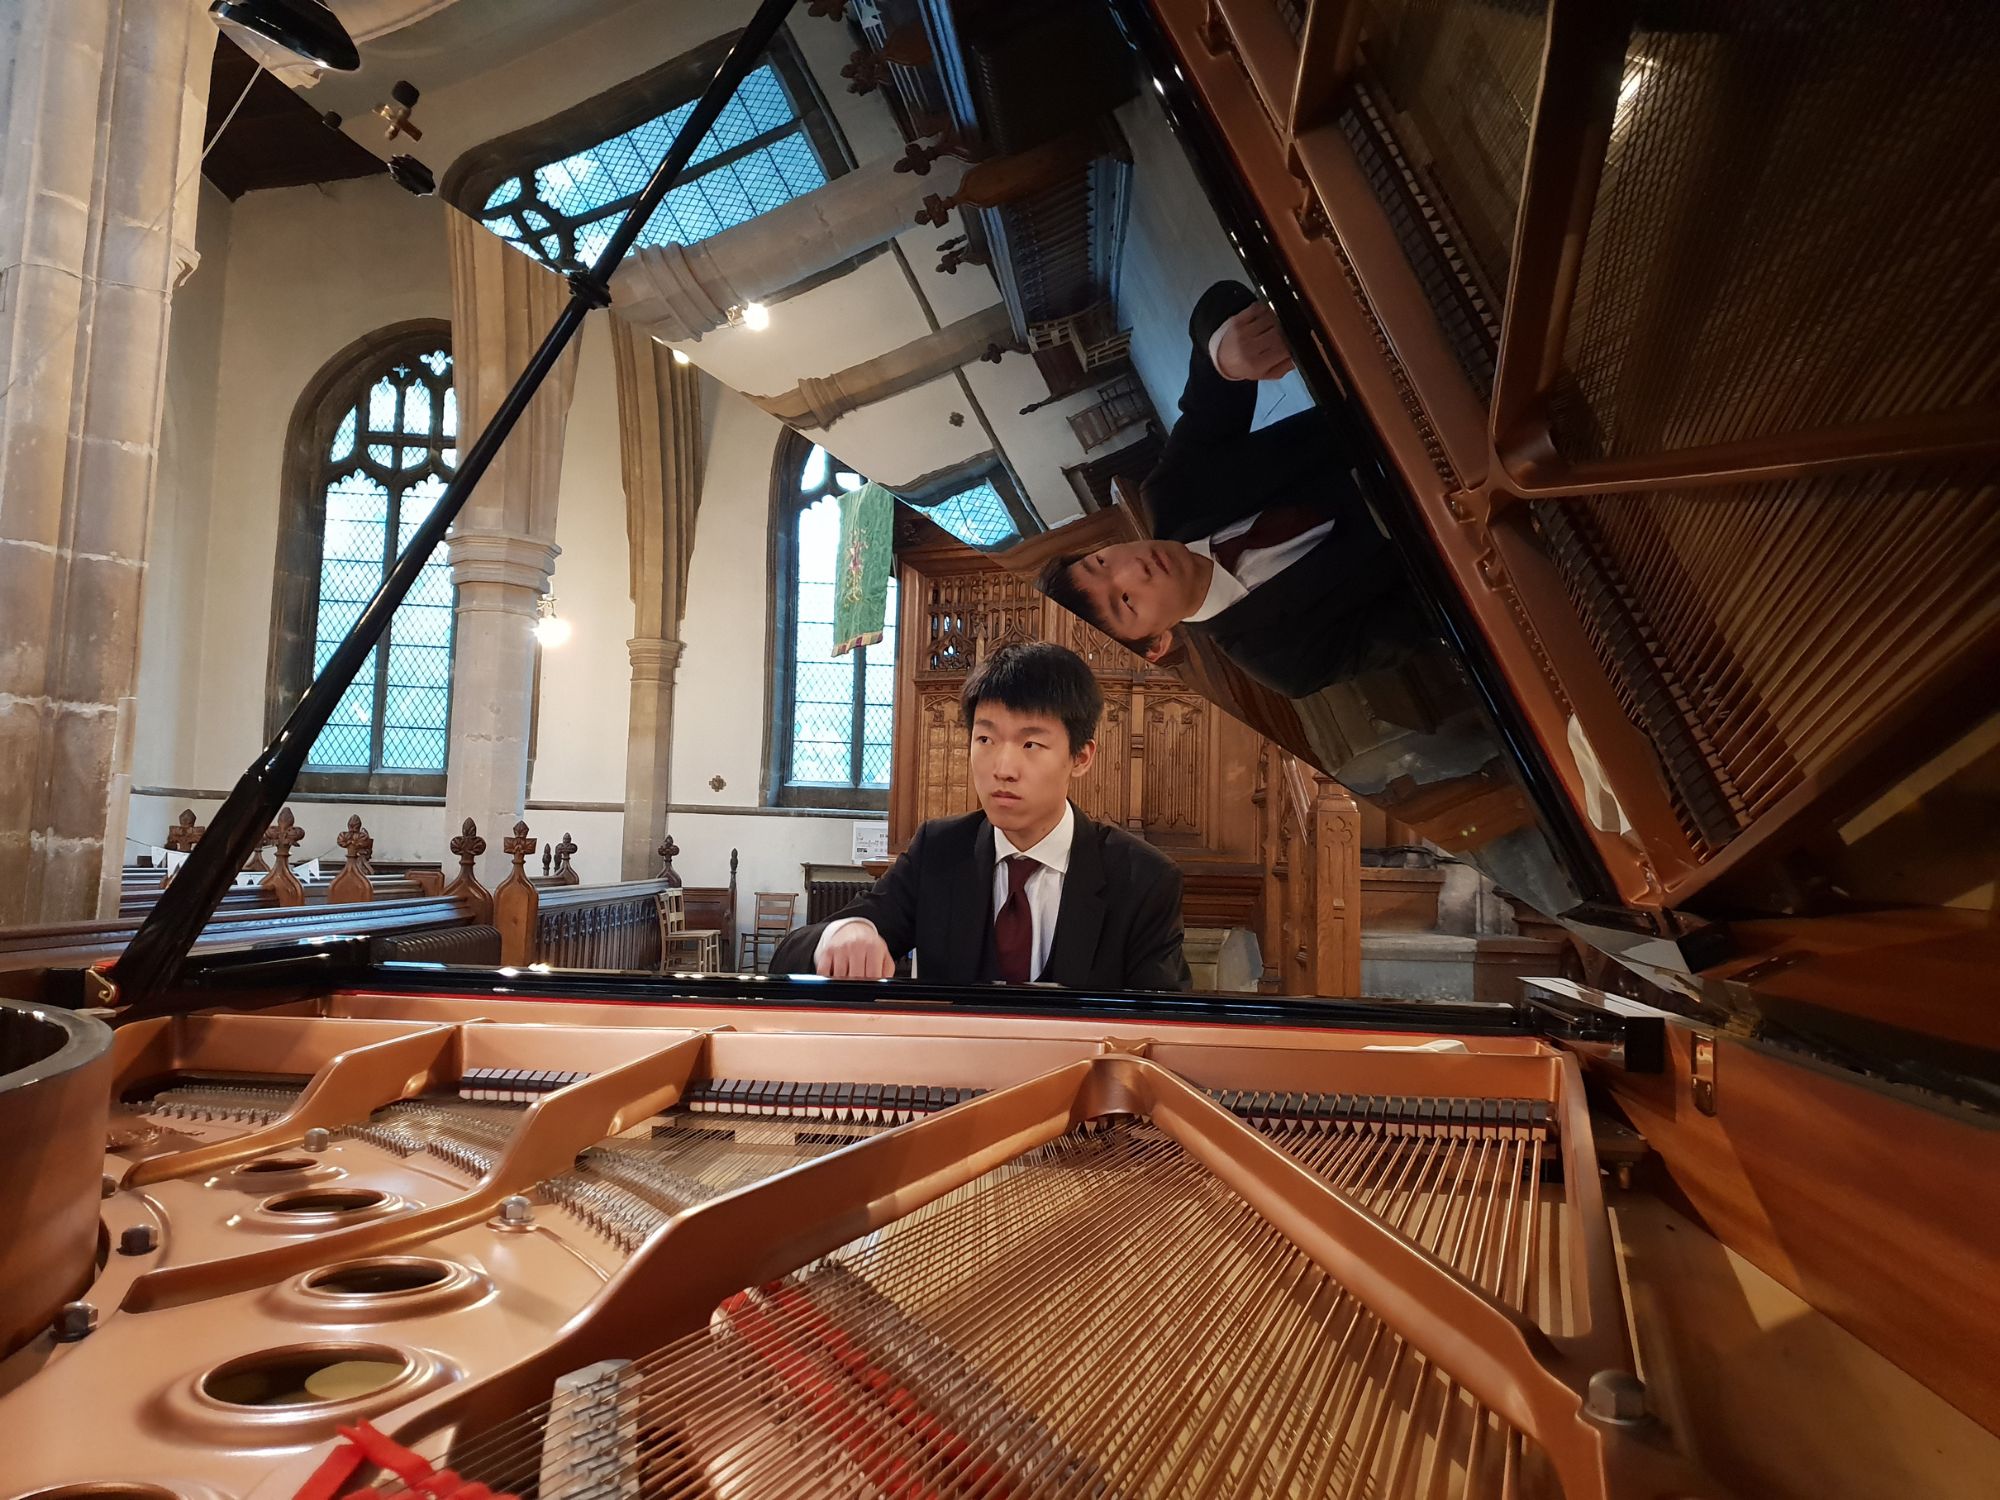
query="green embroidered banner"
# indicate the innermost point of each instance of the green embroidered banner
(861, 576)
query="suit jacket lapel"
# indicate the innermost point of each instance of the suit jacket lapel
(971, 924)
(1080, 917)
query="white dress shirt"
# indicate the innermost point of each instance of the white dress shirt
(1257, 565)
(1043, 889)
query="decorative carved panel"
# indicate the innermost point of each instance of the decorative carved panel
(1101, 792)
(1176, 771)
(942, 788)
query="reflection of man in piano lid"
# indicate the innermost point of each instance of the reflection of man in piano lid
(1027, 888)
(1261, 539)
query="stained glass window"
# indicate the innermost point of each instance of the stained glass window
(756, 156)
(840, 707)
(388, 461)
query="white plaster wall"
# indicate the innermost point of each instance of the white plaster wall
(170, 628)
(310, 270)
(721, 693)
(586, 682)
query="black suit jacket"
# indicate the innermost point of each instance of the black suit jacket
(1344, 607)
(1118, 928)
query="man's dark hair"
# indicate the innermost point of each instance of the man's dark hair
(1037, 677)
(1058, 581)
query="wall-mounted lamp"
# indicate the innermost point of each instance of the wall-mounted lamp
(551, 629)
(756, 316)
(681, 359)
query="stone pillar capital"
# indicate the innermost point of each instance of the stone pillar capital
(653, 659)
(496, 557)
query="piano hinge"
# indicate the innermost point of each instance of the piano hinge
(1701, 1073)
(1115, 1046)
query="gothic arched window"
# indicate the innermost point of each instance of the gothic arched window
(834, 713)
(373, 444)
(557, 189)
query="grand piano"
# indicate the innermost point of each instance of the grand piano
(1661, 340)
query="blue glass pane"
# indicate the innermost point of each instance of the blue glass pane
(439, 361)
(819, 544)
(417, 409)
(565, 211)
(343, 438)
(382, 406)
(977, 517)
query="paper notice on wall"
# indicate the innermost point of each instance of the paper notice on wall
(170, 859)
(871, 840)
(308, 872)
(249, 879)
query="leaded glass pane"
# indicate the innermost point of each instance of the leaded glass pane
(755, 157)
(978, 517)
(813, 475)
(343, 438)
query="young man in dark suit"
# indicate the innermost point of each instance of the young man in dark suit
(1027, 888)
(1261, 539)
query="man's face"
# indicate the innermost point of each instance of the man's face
(1140, 590)
(1021, 769)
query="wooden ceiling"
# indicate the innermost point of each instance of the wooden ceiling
(277, 139)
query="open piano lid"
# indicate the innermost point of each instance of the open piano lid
(1675, 392)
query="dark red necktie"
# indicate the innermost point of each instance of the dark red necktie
(1014, 928)
(1275, 525)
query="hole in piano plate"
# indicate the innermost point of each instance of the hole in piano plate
(306, 1375)
(324, 1201)
(386, 1277)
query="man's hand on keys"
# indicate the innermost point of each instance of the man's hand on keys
(856, 952)
(1251, 348)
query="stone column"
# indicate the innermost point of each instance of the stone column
(820, 401)
(649, 755)
(659, 433)
(502, 546)
(101, 104)
(683, 291)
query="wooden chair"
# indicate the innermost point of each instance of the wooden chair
(679, 942)
(774, 917)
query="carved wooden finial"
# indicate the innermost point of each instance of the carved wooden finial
(516, 906)
(865, 72)
(548, 858)
(468, 846)
(282, 837)
(667, 851)
(565, 852)
(353, 883)
(185, 833)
